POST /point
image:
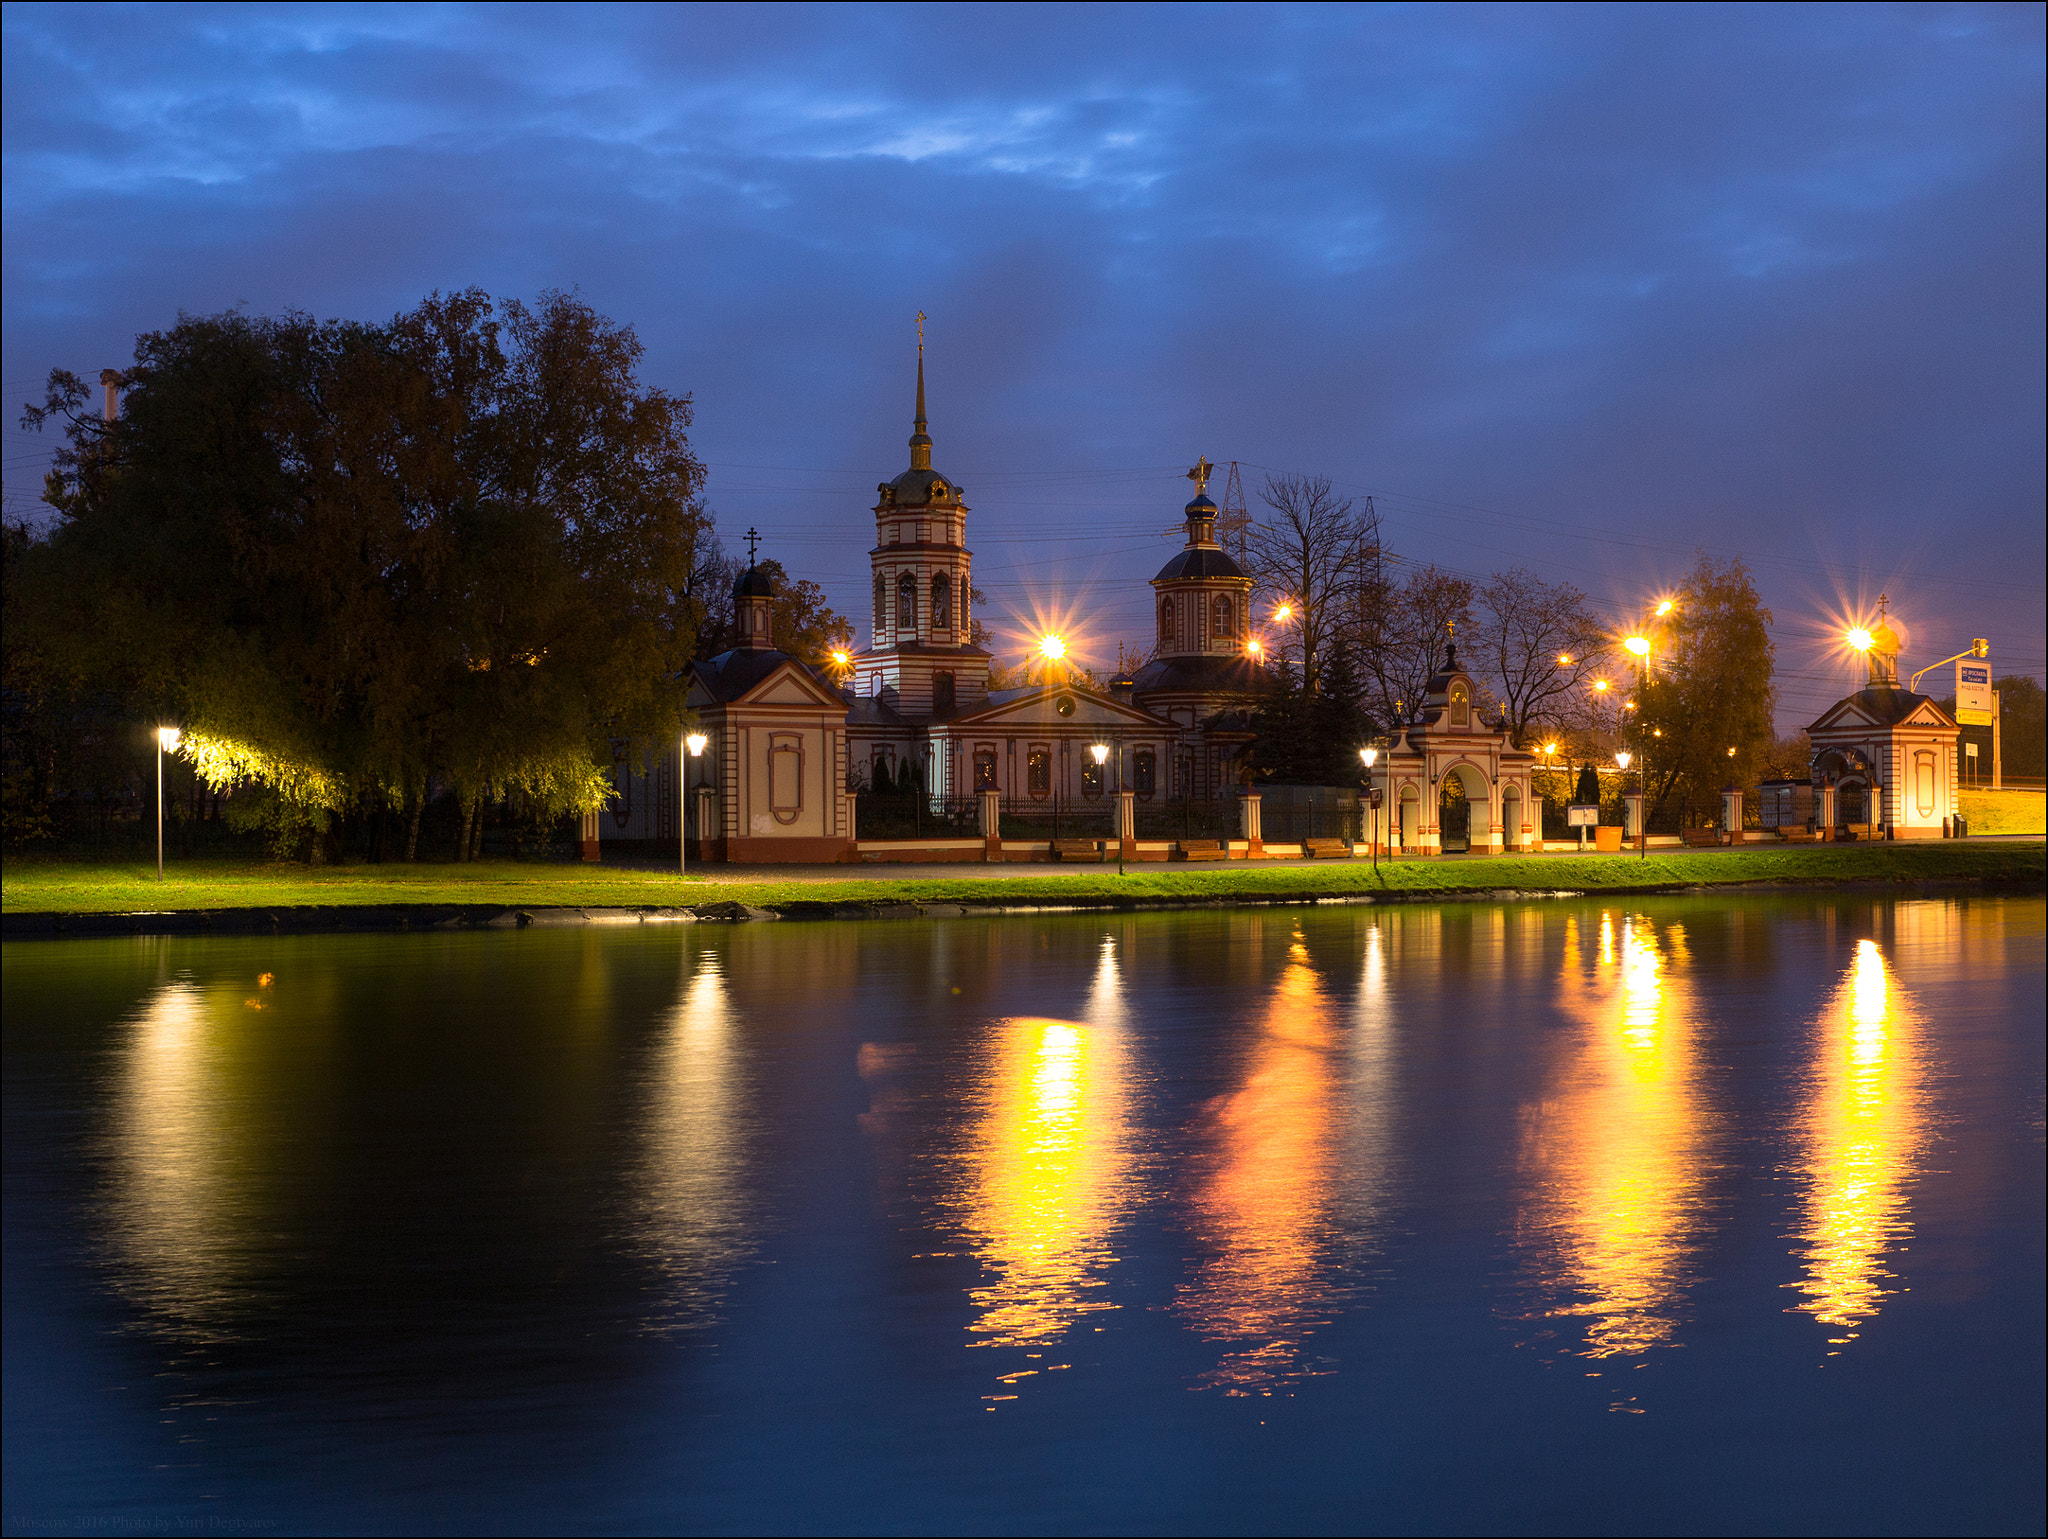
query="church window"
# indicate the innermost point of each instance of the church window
(942, 693)
(1038, 772)
(1091, 779)
(1166, 619)
(984, 769)
(1225, 619)
(1461, 704)
(906, 603)
(942, 603)
(881, 603)
(1144, 772)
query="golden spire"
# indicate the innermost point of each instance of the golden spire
(1201, 473)
(920, 440)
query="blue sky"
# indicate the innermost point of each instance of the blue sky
(1581, 289)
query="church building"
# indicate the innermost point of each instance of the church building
(786, 745)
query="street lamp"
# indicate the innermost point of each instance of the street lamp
(693, 744)
(1370, 756)
(167, 739)
(1099, 752)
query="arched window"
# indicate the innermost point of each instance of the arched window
(984, 769)
(1091, 779)
(1461, 704)
(1166, 619)
(881, 603)
(1038, 772)
(906, 603)
(1144, 772)
(1225, 621)
(942, 603)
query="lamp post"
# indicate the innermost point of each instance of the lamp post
(1639, 647)
(693, 745)
(1099, 752)
(166, 741)
(1369, 756)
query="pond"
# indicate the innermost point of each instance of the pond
(1615, 1216)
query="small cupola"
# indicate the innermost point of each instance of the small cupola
(753, 602)
(1884, 650)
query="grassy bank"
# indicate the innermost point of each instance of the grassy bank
(31, 886)
(2005, 812)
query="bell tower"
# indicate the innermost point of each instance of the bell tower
(919, 659)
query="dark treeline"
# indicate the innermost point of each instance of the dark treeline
(367, 569)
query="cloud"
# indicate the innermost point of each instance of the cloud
(1581, 288)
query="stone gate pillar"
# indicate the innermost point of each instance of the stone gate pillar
(586, 837)
(1632, 816)
(1248, 825)
(992, 825)
(1824, 809)
(1731, 814)
(1127, 821)
(704, 803)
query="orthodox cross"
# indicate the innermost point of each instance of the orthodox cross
(920, 331)
(753, 539)
(1201, 473)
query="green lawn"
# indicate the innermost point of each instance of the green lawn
(34, 885)
(2005, 812)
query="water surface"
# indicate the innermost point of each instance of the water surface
(1641, 1215)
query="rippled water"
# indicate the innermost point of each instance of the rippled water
(1683, 1214)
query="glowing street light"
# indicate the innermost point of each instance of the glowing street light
(1370, 756)
(1639, 645)
(1622, 756)
(1860, 639)
(1665, 608)
(1602, 685)
(1564, 659)
(1284, 612)
(1099, 752)
(1253, 647)
(693, 744)
(167, 739)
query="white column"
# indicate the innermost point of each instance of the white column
(1248, 817)
(991, 814)
(1632, 816)
(1127, 814)
(1731, 814)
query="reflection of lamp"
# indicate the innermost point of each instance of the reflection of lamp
(167, 739)
(694, 743)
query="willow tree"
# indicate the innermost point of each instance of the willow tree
(352, 560)
(1710, 689)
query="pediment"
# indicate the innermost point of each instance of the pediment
(1041, 708)
(1929, 715)
(1844, 717)
(790, 686)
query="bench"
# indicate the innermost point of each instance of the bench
(1079, 849)
(1200, 849)
(1326, 849)
(1699, 837)
(1798, 835)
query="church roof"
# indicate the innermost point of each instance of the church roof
(1234, 675)
(1883, 705)
(1199, 562)
(732, 674)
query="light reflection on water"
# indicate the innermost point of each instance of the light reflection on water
(796, 1178)
(691, 1207)
(1049, 1169)
(1863, 1134)
(1618, 1157)
(1260, 1205)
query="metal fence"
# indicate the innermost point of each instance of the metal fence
(913, 815)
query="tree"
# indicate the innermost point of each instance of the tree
(1710, 688)
(1310, 553)
(352, 560)
(1413, 634)
(1535, 645)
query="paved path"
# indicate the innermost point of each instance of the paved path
(1025, 871)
